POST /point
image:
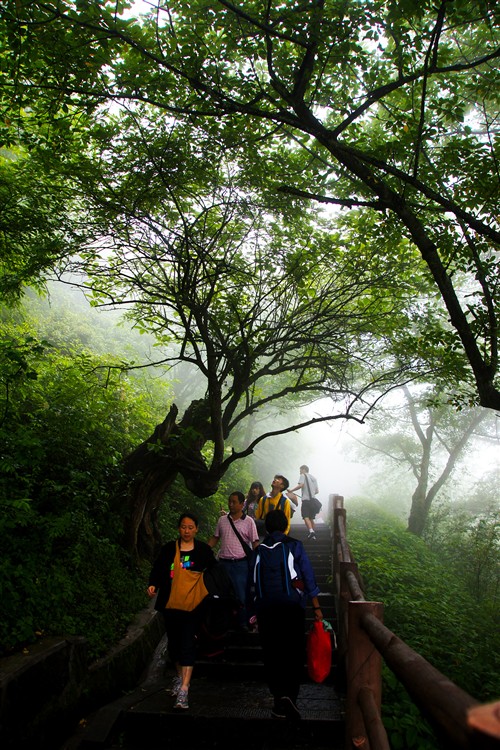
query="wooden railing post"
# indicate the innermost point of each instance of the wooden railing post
(335, 502)
(364, 665)
(344, 596)
(336, 506)
(338, 526)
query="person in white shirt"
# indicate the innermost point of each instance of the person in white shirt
(309, 486)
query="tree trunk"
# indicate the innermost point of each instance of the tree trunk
(423, 497)
(173, 448)
(418, 512)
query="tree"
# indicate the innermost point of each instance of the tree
(389, 109)
(180, 189)
(468, 535)
(429, 438)
(453, 444)
(205, 271)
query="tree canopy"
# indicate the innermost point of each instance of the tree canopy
(386, 108)
(297, 200)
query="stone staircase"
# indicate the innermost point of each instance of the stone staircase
(229, 701)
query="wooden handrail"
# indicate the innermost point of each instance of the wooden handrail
(438, 698)
(363, 641)
(354, 587)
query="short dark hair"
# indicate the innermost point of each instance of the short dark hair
(305, 467)
(284, 480)
(190, 515)
(239, 495)
(276, 521)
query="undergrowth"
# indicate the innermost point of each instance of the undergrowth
(426, 605)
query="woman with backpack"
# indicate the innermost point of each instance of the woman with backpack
(282, 582)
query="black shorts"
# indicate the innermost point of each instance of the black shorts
(306, 510)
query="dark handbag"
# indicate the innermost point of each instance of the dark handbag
(246, 548)
(315, 505)
(220, 610)
(218, 583)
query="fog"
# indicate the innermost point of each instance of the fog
(330, 449)
(335, 456)
(325, 449)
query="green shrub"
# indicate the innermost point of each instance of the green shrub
(66, 421)
(428, 606)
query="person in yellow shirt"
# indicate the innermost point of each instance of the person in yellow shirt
(276, 499)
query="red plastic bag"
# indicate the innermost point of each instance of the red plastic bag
(319, 651)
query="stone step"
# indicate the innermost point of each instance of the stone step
(227, 715)
(229, 701)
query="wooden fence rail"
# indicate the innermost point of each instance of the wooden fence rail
(458, 719)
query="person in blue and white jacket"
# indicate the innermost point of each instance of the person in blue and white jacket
(281, 583)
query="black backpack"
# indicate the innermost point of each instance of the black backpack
(219, 611)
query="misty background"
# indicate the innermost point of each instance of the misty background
(337, 452)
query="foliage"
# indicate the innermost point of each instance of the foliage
(468, 541)
(425, 435)
(35, 229)
(191, 148)
(405, 726)
(384, 109)
(68, 417)
(427, 606)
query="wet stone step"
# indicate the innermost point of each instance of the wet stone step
(229, 702)
(235, 715)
